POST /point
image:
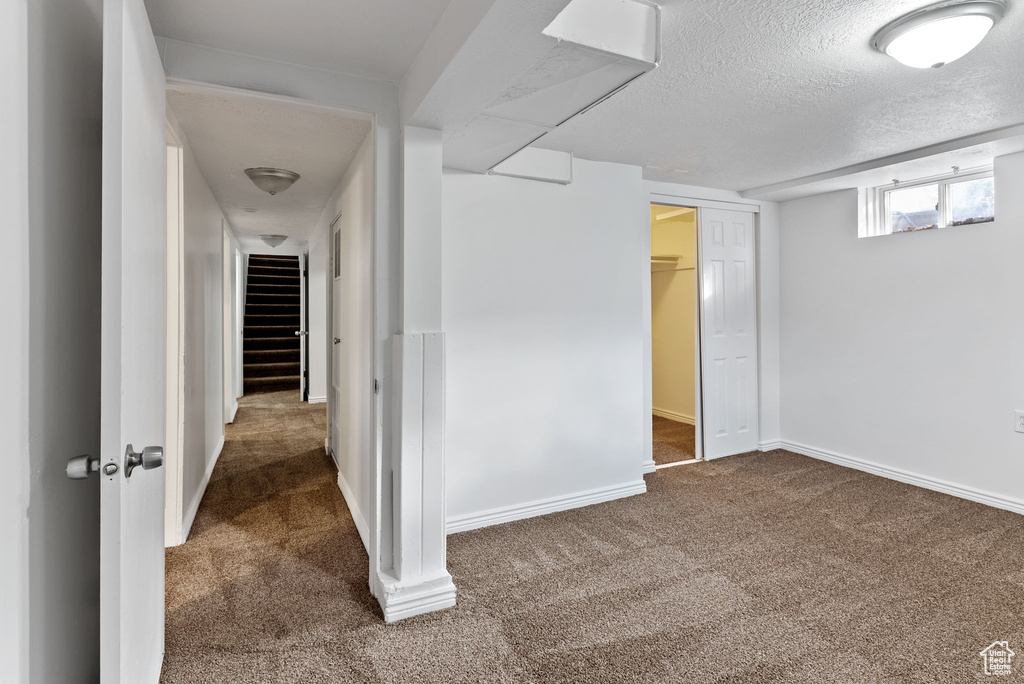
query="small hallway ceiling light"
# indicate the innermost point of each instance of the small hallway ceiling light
(936, 35)
(271, 180)
(273, 240)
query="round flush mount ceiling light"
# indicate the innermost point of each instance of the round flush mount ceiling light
(936, 35)
(273, 240)
(271, 180)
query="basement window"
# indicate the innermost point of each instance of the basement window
(956, 199)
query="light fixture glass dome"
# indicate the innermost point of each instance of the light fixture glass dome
(273, 240)
(939, 34)
(271, 180)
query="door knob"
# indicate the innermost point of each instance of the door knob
(300, 333)
(81, 467)
(151, 457)
(337, 340)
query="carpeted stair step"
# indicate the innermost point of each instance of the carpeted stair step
(268, 309)
(265, 290)
(272, 258)
(270, 384)
(270, 343)
(289, 319)
(271, 356)
(251, 331)
(271, 370)
(257, 279)
(292, 299)
(292, 271)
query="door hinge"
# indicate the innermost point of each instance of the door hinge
(376, 386)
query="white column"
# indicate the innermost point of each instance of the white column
(418, 581)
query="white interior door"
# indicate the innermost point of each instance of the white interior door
(728, 332)
(303, 327)
(336, 324)
(132, 401)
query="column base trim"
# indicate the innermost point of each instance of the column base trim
(400, 601)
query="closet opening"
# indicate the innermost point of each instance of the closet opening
(675, 336)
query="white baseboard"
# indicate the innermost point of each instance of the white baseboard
(649, 466)
(234, 411)
(495, 516)
(770, 446)
(357, 514)
(316, 400)
(197, 498)
(970, 493)
(672, 415)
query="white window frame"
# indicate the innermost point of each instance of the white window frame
(876, 217)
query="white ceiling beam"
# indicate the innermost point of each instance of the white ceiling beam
(771, 191)
(453, 29)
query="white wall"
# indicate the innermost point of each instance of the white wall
(542, 310)
(51, 616)
(14, 346)
(768, 340)
(674, 319)
(352, 406)
(204, 297)
(905, 350)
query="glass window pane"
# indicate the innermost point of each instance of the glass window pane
(914, 208)
(973, 201)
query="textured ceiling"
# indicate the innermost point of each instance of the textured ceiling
(754, 92)
(229, 133)
(376, 38)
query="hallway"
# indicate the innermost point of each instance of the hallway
(274, 573)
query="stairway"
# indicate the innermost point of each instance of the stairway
(270, 349)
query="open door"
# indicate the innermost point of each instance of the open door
(728, 332)
(304, 327)
(133, 322)
(335, 390)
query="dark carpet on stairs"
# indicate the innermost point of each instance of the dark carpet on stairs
(270, 348)
(673, 441)
(756, 568)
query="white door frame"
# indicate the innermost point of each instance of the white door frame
(697, 202)
(175, 439)
(381, 308)
(227, 324)
(698, 452)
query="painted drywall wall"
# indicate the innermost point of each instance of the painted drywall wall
(768, 335)
(204, 296)
(542, 310)
(904, 350)
(64, 106)
(351, 391)
(674, 317)
(14, 346)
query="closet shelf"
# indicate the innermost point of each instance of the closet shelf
(671, 262)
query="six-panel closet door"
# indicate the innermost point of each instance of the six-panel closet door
(728, 332)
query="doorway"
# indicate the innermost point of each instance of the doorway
(675, 335)
(704, 332)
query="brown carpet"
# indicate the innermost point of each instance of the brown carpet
(756, 568)
(673, 441)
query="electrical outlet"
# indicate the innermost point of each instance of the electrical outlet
(1018, 421)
